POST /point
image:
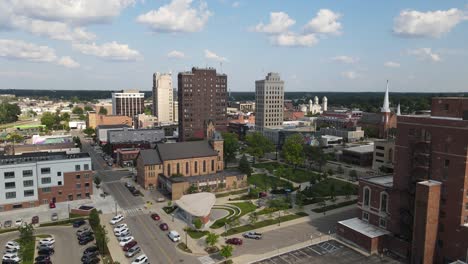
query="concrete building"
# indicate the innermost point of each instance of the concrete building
(384, 155)
(126, 156)
(163, 107)
(68, 147)
(423, 207)
(31, 179)
(359, 155)
(127, 135)
(94, 120)
(269, 102)
(145, 121)
(351, 134)
(202, 96)
(175, 110)
(101, 132)
(128, 103)
(244, 107)
(339, 118)
(314, 107)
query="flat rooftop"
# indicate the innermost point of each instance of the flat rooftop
(384, 180)
(39, 156)
(207, 177)
(361, 149)
(197, 204)
(363, 227)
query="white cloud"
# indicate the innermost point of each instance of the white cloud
(23, 74)
(213, 56)
(425, 54)
(177, 16)
(350, 75)
(235, 4)
(68, 62)
(176, 54)
(279, 23)
(326, 22)
(20, 50)
(413, 23)
(392, 64)
(290, 39)
(109, 51)
(345, 59)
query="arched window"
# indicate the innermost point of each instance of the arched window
(383, 202)
(204, 166)
(212, 165)
(178, 168)
(366, 197)
(196, 166)
(186, 168)
(168, 169)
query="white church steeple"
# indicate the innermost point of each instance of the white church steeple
(386, 103)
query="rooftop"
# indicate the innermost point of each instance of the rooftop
(39, 156)
(361, 149)
(207, 177)
(197, 204)
(430, 183)
(364, 228)
(385, 180)
(112, 126)
(185, 150)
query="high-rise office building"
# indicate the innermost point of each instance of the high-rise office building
(128, 103)
(421, 212)
(269, 102)
(202, 96)
(175, 110)
(163, 106)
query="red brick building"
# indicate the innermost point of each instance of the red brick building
(426, 200)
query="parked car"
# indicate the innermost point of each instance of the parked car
(12, 244)
(54, 217)
(83, 230)
(122, 231)
(252, 235)
(116, 219)
(174, 236)
(93, 260)
(43, 246)
(164, 227)
(19, 222)
(11, 251)
(47, 241)
(234, 241)
(7, 224)
(43, 262)
(35, 220)
(155, 217)
(128, 185)
(91, 249)
(86, 240)
(89, 257)
(79, 223)
(42, 258)
(51, 205)
(142, 259)
(132, 251)
(13, 257)
(119, 227)
(90, 254)
(160, 199)
(129, 245)
(262, 194)
(86, 234)
(125, 240)
(46, 251)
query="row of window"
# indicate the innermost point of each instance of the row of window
(29, 173)
(12, 195)
(367, 198)
(382, 221)
(187, 167)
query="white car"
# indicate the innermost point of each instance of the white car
(141, 259)
(12, 244)
(122, 231)
(19, 222)
(47, 241)
(119, 227)
(174, 236)
(122, 238)
(116, 219)
(13, 257)
(125, 240)
(13, 251)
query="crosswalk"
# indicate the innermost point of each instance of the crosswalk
(134, 211)
(206, 260)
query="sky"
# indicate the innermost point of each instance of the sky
(315, 45)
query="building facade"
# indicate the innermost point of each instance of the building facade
(101, 132)
(202, 96)
(351, 134)
(269, 102)
(31, 179)
(94, 120)
(175, 109)
(127, 135)
(384, 155)
(145, 121)
(128, 103)
(163, 106)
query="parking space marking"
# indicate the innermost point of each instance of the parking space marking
(206, 260)
(311, 248)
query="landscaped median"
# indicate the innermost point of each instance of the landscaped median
(236, 210)
(264, 223)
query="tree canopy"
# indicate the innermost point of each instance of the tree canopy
(9, 113)
(77, 110)
(102, 111)
(231, 146)
(293, 150)
(244, 166)
(51, 120)
(258, 145)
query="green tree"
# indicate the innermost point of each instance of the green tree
(244, 166)
(231, 146)
(50, 120)
(192, 189)
(77, 110)
(102, 111)
(65, 117)
(293, 150)
(97, 180)
(278, 203)
(211, 239)
(316, 155)
(233, 222)
(26, 232)
(348, 190)
(197, 223)
(89, 131)
(226, 251)
(15, 137)
(332, 191)
(253, 218)
(353, 174)
(148, 110)
(258, 145)
(340, 169)
(9, 112)
(88, 108)
(94, 220)
(330, 172)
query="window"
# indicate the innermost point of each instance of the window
(59, 183)
(78, 185)
(212, 165)
(78, 176)
(380, 147)
(77, 167)
(10, 195)
(204, 166)
(9, 174)
(46, 190)
(78, 196)
(87, 195)
(45, 170)
(59, 173)
(10, 185)
(365, 216)
(383, 202)
(86, 184)
(86, 167)
(28, 193)
(60, 192)
(178, 168)
(27, 173)
(446, 107)
(46, 180)
(378, 154)
(466, 206)
(28, 183)
(446, 163)
(86, 175)
(168, 169)
(383, 222)
(196, 168)
(366, 197)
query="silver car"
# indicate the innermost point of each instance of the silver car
(133, 251)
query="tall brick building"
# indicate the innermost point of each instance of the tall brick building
(202, 96)
(421, 212)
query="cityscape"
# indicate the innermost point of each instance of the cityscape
(284, 151)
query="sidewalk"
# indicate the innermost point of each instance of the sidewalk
(113, 245)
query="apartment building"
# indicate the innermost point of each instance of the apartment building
(128, 103)
(163, 93)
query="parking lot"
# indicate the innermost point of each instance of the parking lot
(325, 252)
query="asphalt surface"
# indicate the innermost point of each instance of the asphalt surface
(122, 195)
(67, 249)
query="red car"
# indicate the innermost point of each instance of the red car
(164, 227)
(51, 205)
(234, 241)
(155, 217)
(129, 245)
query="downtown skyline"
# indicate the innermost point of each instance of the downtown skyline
(314, 45)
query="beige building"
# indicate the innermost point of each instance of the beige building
(175, 110)
(384, 155)
(269, 102)
(163, 107)
(145, 121)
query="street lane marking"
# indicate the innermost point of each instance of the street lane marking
(206, 260)
(154, 237)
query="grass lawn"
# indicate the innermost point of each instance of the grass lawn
(245, 207)
(264, 223)
(196, 234)
(220, 222)
(322, 189)
(27, 250)
(300, 175)
(334, 206)
(264, 182)
(219, 195)
(269, 166)
(267, 211)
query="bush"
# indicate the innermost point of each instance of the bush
(197, 223)
(334, 206)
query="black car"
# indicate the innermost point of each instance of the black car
(89, 255)
(9, 261)
(84, 234)
(41, 258)
(44, 246)
(86, 240)
(79, 223)
(91, 249)
(43, 262)
(46, 251)
(94, 260)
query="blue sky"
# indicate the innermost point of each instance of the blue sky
(420, 46)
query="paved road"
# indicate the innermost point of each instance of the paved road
(67, 249)
(122, 195)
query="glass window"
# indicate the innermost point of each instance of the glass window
(366, 201)
(78, 185)
(78, 196)
(10, 185)
(446, 163)
(10, 195)
(204, 166)
(365, 216)
(86, 175)
(59, 183)
(46, 190)
(28, 183)
(186, 168)
(45, 170)
(383, 202)
(28, 193)
(86, 167)
(9, 174)
(178, 168)
(27, 173)
(78, 176)
(46, 180)
(77, 167)
(59, 173)
(196, 168)
(168, 169)
(212, 165)
(383, 222)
